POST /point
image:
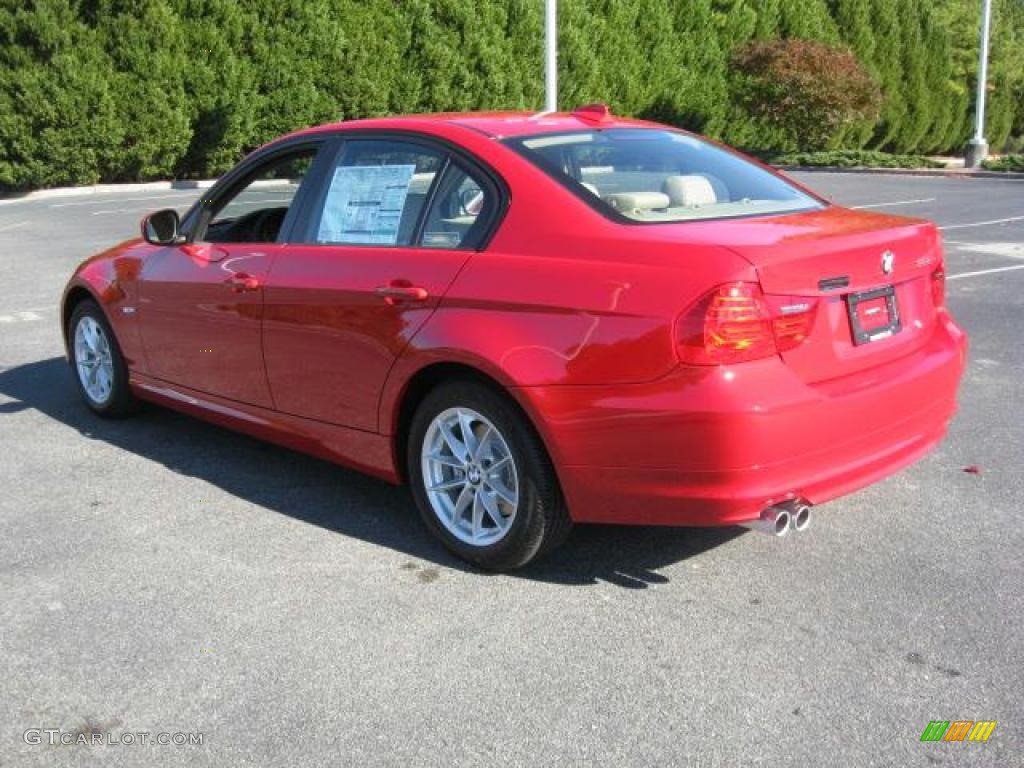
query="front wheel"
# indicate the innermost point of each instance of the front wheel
(482, 479)
(97, 361)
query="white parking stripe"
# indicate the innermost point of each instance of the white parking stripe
(894, 202)
(121, 210)
(985, 272)
(983, 223)
(178, 195)
(1009, 250)
(255, 204)
(26, 316)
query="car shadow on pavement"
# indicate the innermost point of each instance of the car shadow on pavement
(333, 497)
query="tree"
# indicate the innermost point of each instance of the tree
(853, 18)
(805, 90)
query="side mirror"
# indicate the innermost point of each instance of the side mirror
(161, 228)
(471, 200)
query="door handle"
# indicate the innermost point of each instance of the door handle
(240, 281)
(400, 292)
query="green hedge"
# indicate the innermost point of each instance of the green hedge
(854, 158)
(1014, 163)
(126, 90)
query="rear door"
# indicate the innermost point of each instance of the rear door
(375, 249)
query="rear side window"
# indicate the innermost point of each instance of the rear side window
(462, 205)
(653, 175)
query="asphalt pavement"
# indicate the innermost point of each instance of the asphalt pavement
(161, 575)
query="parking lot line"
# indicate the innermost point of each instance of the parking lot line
(983, 223)
(894, 202)
(1006, 250)
(183, 193)
(993, 271)
(24, 316)
(15, 225)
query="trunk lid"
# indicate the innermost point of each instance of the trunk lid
(846, 262)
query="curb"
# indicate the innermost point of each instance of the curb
(933, 172)
(187, 184)
(100, 189)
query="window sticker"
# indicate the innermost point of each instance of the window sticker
(364, 204)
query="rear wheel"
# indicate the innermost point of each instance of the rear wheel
(482, 479)
(96, 358)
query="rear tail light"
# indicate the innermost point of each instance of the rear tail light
(792, 320)
(737, 322)
(939, 287)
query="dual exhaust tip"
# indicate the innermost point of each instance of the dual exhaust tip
(780, 519)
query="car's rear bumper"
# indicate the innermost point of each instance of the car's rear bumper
(715, 446)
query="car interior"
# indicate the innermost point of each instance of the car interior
(660, 176)
(256, 212)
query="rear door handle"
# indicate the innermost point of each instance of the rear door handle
(400, 292)
(240, 281)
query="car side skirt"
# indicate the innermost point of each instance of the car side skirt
(363, 451)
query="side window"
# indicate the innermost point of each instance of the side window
(256, 211)
(376, 193)
(460, 205)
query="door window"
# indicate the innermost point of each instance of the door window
(376, 192)
(256, 212)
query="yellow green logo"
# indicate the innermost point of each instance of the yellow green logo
(958, 730)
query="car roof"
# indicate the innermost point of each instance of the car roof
(493, 124)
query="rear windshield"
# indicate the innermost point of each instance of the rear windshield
(651, 175)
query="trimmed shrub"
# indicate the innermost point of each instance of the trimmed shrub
(1013, 163)
(804, 90)
(854, 158)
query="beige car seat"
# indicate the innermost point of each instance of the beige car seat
(635, 202)
(689, 191)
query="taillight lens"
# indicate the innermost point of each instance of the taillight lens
(939, 287)
(792, 319)
(736, 322)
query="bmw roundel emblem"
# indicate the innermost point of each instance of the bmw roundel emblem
(888, 261)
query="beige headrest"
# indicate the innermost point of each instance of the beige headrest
(689, 191)
(635, 201)
(420, 183)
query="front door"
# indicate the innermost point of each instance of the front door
(201, 303)
(382, 241)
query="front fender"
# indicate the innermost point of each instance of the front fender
(110, 279)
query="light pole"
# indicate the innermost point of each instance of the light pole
(977, 149)
(550, 55)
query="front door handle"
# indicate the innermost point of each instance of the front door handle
(240, 281)
(401, 292)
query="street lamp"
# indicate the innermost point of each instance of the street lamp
(977, 149)
(551, 55)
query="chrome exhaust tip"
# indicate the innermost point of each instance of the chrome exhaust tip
(775, 521)
(799, 516)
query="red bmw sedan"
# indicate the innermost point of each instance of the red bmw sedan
(534, 321)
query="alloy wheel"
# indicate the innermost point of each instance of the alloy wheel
(470, 476)
(94, 360)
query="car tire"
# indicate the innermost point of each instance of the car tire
(97, 363)
(510, 463)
